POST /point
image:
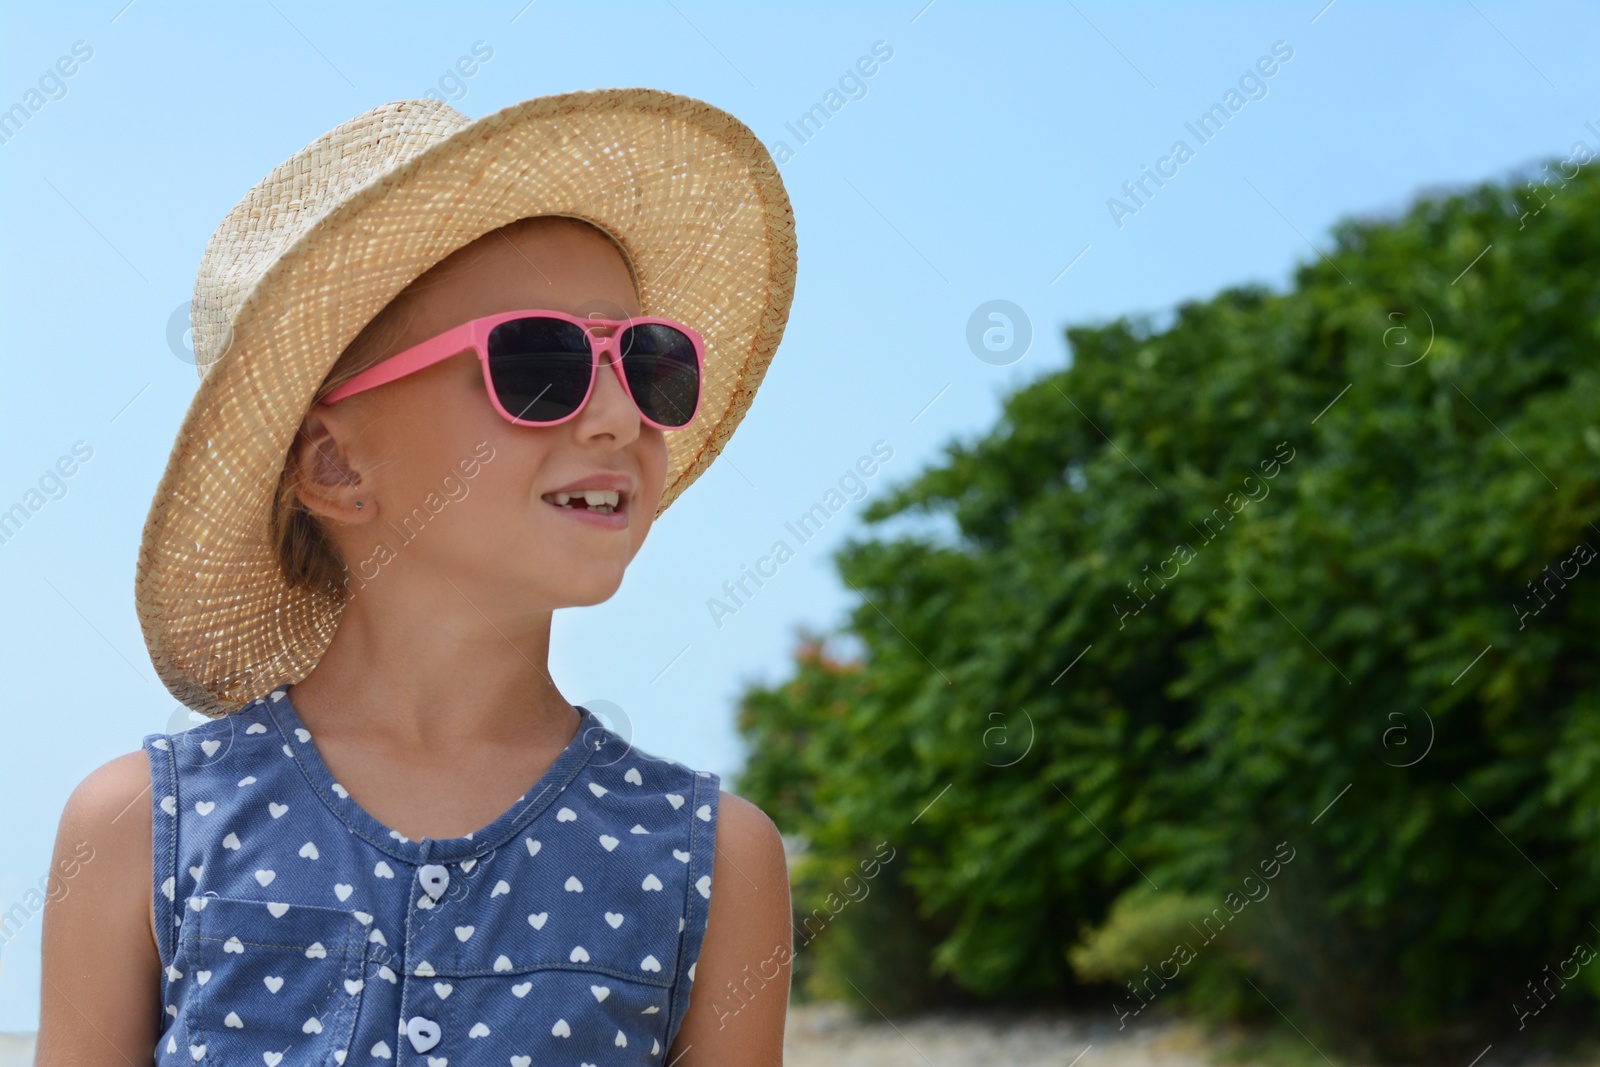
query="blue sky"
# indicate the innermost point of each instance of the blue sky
(977, 163)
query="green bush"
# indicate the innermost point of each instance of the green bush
(1208, 580)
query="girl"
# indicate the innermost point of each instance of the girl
(451, 371)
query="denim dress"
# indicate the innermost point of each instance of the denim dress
(294, 928)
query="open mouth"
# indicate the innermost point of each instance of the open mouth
(601, 501)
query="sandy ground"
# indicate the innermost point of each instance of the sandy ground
(826, 1036)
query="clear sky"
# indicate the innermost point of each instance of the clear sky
(975, 164)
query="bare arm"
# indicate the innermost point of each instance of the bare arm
(747, 942)
(100, 993)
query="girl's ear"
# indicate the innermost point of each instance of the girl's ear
(325, 478)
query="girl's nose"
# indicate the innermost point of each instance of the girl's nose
(609, 401)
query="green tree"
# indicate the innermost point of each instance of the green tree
(1333, 546)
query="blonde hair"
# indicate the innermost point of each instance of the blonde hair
(307, 556)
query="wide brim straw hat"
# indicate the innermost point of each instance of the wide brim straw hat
(322, 243)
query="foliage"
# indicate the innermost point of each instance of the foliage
(1210, 579)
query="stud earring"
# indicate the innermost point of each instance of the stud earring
(358, 505)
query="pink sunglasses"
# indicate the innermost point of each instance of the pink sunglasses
(539, 366)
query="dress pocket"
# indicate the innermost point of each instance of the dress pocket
(271, 983)
(555, 1015)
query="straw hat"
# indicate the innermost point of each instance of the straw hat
(320, 245)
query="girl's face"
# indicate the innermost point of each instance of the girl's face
(455, 491)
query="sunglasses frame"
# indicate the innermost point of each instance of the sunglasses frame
(474, 335)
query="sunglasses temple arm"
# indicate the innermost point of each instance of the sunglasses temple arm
(429, 352)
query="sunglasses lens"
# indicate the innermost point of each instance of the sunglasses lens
(662, 372)
(540, 367)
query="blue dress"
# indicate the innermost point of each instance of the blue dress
(294, 928)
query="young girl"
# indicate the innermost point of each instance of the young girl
(451, 372)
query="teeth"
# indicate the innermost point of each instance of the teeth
(601, 500)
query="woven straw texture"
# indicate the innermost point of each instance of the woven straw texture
(320, 245)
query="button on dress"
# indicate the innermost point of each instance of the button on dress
(294, 928)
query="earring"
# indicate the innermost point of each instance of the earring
(358, 505)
